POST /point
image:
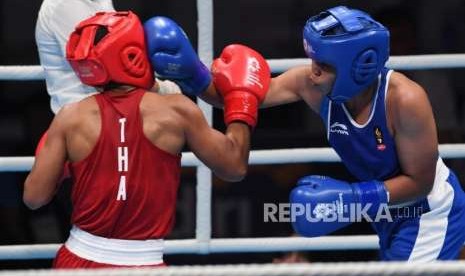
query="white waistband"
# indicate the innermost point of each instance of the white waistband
(114, 251)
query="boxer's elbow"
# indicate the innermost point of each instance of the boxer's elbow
(32, 202)
(425, 185)
(239, 173)
(32, 198)
(426, 188)
(234, 173)
(235, 166)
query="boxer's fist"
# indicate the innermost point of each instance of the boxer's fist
(321, 204)
(242, 76)
(172, 56)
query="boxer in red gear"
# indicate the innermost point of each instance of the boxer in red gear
(124, 146)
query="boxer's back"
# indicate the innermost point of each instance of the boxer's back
(125, 185)
(160, 116)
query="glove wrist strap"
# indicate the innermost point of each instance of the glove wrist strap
(200, 80)
(371, 192)
(241, 106)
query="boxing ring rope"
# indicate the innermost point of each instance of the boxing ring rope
(411, 62)
(257, 157)
(320, 269)
(192, 246)
(314, 269)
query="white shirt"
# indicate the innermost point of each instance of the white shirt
(56, 20)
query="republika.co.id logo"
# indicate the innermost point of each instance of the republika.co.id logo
(337, 211)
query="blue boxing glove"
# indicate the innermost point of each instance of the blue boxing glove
(173, 57)
(321, 205)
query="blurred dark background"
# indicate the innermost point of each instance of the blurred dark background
(273, 28)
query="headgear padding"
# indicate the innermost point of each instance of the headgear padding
(353, 43)
(110, 47)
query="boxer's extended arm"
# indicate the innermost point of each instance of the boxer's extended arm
(291, 86)
(173, 58)
(287, 87)
(225, 154)
(43, 180)
(416, 143)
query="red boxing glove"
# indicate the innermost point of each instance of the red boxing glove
(66, 168)
(242, 76)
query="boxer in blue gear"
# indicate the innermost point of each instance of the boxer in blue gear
(173, 57)
(382, 126)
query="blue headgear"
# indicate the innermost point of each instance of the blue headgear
(353, 43)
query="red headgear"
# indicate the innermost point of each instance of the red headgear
(119, 56)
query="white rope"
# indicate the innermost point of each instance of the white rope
(28, 252)
(16, 164)
(274, 156)
(314, 269)
(18, 72)
(303, 155)
(280, 244)
(414, 62)
(422, 62)
(192, 246)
